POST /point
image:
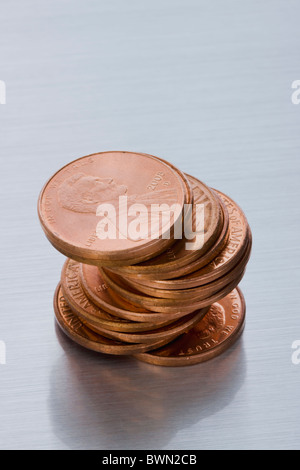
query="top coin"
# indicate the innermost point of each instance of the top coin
(98, 209)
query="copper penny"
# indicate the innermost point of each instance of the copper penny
(88, 311)
(153, 280)
(180, 254)
(101, 294)
(70, 199)
(201, 292)
(216, 332)
(166, 305)
(239, 237)
(75, 329)
(166, 332)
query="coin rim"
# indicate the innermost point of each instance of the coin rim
(123, 349)
(161, 269)
(171, 361)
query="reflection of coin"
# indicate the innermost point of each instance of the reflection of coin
(181, 254)
(73, 327)
(71, 197)
(216, 332)
(158, 396)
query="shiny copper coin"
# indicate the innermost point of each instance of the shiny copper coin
(69, 202)
(153, 279)
(101, 294)
(184, 251)
(88, 311)
(166, 332)
(73, 327)
(216, 332)
(166, 305)
(201, 292)
(234, 250)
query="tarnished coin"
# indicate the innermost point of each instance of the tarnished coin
(69, 206)
(185, 251)
(73, 327)
(215, 333)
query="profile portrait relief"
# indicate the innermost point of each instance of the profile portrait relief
(89, 194)
(212, 323)
(83, 193)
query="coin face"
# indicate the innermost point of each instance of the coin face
(216, 332)
(206, 231)
(87, 209)
(75, 329)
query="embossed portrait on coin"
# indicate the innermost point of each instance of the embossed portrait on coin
(84, 193)
(213, 322)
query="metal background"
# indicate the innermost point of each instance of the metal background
(207, 86)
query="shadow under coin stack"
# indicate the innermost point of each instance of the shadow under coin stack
(153, 298)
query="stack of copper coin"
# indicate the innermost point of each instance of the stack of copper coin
(167, 298)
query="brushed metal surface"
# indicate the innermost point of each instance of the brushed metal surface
(206, 85)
